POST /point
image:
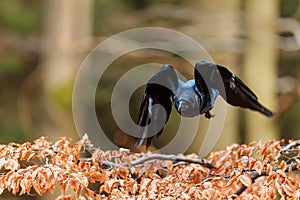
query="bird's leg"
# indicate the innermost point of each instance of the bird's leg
(208, 115)
(212, 98)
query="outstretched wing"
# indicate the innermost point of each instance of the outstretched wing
(231, 88)
(156, 105)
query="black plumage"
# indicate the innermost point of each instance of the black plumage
(192, 98)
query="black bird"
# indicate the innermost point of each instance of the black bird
(193, 98)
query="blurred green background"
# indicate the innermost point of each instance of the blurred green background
(42, 44)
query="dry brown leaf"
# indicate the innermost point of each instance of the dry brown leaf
(60, 164)
(245, 179)
(272, 176)
(298, 163)
(282, 165)
(289, 190)
(90, 193)
(258, 166)
(97, 176)
(233, 177)
(269, 169)
(145, 184)
(169, 165)
(123, 171)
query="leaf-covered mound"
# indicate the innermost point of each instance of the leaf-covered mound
(254, 171)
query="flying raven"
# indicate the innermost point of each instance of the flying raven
(192, 98)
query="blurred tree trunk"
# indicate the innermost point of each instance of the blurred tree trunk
(219, 20)
(260, 65)
(229, 29)
(67, 32)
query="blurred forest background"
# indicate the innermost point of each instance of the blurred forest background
(42, 44)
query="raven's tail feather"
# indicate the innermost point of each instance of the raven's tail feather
(260, 108)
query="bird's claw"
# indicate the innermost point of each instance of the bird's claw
(208, 115)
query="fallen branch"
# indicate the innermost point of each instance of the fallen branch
(174, 158)
(150, 157)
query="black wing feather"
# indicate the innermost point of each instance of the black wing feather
(230, 87)
(238, 94)
(159, 90)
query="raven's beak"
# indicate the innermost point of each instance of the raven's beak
(182, 106)
(179, 105)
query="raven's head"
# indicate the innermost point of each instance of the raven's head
(186, 101)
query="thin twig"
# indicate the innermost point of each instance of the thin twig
(202, 182)
(171, 157)
(287, 148)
